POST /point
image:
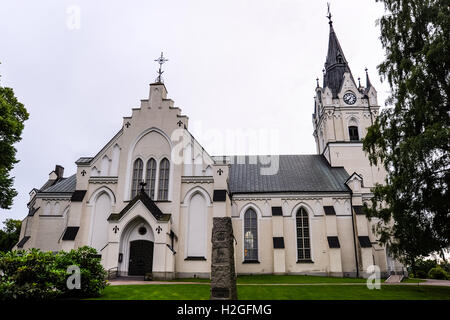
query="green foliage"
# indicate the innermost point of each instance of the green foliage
(34, 274)
(411, 137)
(423, 266)
(93, 275)
(438, 273)
(12, 116)
(421, 274)
(9, 236)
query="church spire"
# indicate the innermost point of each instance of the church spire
(336, 64)
(368, 83)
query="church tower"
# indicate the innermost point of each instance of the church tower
(343, 110)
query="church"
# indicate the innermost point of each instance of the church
(146, 201)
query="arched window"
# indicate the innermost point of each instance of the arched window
(250, 235)
(150, 178)
(353, 133)
(163, 191)
(303, 239)
(137, 177)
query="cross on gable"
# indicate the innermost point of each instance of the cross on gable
(159, 229)
(179, 123)
(115, 229)
(127, 124)
(220, 171)
(142, 184)
(83, 173)
(160, 60)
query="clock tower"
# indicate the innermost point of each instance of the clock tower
(342, 112)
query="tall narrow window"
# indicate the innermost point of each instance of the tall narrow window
(303, 239)
(163, 191)
(250, 236)
(137, 177)
(353, 133)
(150, 178)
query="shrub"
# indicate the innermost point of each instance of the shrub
(93, 275)
(27, 275)
(35, 274)
(437, 273)
(421, 274)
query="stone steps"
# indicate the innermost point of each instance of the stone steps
(394, 278)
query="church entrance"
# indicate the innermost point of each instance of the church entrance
(141, 257)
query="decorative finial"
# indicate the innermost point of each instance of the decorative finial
(329, 14)
(359, 82)
(160, 60)
(317, 80)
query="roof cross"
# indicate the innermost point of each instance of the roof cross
(160, 60)
(142, 184)
(329, 14)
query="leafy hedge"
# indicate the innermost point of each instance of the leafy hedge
(34, 274)
(437, 273)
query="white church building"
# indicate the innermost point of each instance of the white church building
(146, 201)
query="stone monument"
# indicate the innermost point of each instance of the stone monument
(223, 275)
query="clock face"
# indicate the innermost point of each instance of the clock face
(349, 98)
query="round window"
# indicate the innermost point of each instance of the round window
(142, 230)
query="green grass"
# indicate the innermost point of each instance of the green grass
(347, 292)
(274, 292)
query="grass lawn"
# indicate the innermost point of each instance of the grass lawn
(274, 292)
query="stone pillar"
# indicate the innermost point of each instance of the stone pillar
(223, 275)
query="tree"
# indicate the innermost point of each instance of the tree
(10, 234)
(12, 116)
(411, 137)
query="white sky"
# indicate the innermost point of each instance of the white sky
(233, 65)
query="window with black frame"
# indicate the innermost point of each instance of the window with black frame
(303, 238)
(163, 191)
(137, 177)
(353, 133)
(250, 236)
(150, 178)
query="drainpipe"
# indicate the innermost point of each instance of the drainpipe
(354, 233)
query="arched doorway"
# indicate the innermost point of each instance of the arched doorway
(141, 257)
(136, 248)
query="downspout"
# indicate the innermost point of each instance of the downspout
(354, 233)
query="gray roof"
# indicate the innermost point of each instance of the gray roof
(64, 185)
(335, 69)
(84, 160)
(297, 173)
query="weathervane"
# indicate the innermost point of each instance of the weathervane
(329, 14)
(160, 60)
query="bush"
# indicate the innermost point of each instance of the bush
(35, 274)
(437, 273)
(93, 276)
(421, 274)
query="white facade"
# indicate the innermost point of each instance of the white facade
(103, 205)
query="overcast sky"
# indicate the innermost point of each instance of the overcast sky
(233, 65)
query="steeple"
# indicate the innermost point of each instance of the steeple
(368, 84)
(336, 64)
